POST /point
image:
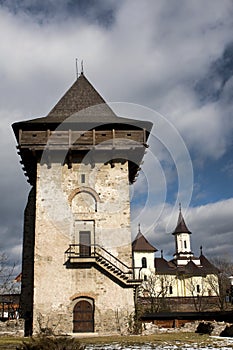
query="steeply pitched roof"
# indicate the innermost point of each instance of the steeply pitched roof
(141, 244)
(164, 266)
(207, 266)
(81, 95)
(83, 107)
(181, 226)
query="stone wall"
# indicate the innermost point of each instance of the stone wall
(57, 286)
(26, 300)
(173, 326)
(13, 328)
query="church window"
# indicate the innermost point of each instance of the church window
(144, 263)
(198, 288)
(170, 290)
(185, 244)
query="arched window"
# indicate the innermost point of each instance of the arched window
(83, 200)
(144, 263)
(170, 290)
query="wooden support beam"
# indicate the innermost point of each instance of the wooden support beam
(70, 134)
(113, 137)
(20, 136)
(144, 136)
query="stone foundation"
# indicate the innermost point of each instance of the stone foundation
(13, 328)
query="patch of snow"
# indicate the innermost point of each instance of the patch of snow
(157, 347)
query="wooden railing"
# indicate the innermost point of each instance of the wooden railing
(70, 138)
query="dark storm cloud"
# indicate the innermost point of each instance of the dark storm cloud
(101, 12)
(13, 190)
(211, 87)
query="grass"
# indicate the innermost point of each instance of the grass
(159, 339)
(10, 342)
(164, 338)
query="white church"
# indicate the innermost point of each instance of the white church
(186, 275)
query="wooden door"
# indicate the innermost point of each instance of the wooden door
(85, 243)
(83, 317)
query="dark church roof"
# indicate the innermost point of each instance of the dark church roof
(164, 266)
(181, 226)
(81, 108)
(141, 244)
(171, 268)
(207, 265)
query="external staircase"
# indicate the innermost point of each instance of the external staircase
(77, 256)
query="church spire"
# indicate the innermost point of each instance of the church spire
(181, 226)
(182, 240)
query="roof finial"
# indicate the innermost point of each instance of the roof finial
(82, 67)
(76, 65)
(139, 228)
(162, 253)
(201, 249)
(180, 207)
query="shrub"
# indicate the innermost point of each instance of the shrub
(51, 343)
(205, 328)
(227, 332)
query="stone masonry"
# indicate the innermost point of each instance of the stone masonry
(57, 288)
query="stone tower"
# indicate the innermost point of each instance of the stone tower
(77, 273)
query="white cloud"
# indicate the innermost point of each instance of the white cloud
(153, 54)
(211, 227)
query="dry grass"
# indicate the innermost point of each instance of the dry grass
(163, 338)
(178, 339)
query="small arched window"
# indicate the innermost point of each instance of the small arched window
(170, 290)
(144, 263)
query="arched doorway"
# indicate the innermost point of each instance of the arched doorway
(83, 317)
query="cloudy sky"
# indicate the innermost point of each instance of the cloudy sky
(173, 60)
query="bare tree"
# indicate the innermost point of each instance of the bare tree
(221, 286)
(156, 288)
(7, 284)
(8, 289)
(198, 290)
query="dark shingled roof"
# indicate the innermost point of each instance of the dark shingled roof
(181, 226)
(210, 268)
(81, 95)
(141, 244)
(164, 266)
(170, 268)
(81, 108)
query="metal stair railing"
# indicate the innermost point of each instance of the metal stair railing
(111, 262)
